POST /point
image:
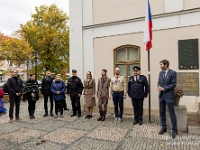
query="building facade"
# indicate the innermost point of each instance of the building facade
(109, 33)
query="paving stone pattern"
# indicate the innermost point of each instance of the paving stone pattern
(49, 133)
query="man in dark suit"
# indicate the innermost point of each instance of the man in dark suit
(15, 90)
(166, 85)
(138, 89)
(46, 91)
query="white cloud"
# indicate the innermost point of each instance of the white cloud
(16, 12)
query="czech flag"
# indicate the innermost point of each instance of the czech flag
(148, 27)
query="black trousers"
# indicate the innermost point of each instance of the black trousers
(75, 101)
(31, 105)
(59, 105)
(118, 100)
(14, 101)
(46, 103)
(170, 106)
(65, 105)
(138, 108)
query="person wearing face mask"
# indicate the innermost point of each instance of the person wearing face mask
(46, 92)
(89, 93)
(118, 91)
(58, 89)
(103, 94)
(74, 90)
(31, 92)
(138, 90)
(166, 85)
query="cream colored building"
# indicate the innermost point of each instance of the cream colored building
(109, 33)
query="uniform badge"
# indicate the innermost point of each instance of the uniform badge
(131, 80)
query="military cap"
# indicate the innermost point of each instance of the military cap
(136, 68)
(74, 70)
(104, 70)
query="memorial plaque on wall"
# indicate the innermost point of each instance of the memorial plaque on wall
(188, 54)
(189, 83)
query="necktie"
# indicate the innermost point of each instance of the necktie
(136, 78)
(116, 80)
(164, 73)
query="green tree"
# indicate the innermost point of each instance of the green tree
(48, 33)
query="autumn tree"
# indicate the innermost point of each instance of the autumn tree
(15, 50)
(47, 33)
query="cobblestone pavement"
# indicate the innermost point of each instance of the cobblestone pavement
(48, 133)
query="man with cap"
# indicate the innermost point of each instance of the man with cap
(103, 94)
(138, 89)
(74, 90)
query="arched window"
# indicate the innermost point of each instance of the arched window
(125, 57)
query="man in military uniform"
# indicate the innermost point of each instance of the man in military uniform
(138, 89)
(103, 94)
(118, 91)
(74, 90)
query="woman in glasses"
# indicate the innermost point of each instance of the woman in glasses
(58, 90)
(89, 93)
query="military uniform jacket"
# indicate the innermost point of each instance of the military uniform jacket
(138, 89)
(89, 87)
(74, 86)
(103, 88)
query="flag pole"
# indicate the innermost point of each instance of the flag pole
(149, 79)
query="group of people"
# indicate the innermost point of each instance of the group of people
(137, 89)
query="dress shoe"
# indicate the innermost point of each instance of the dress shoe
(18, 118)
(135, 122)
(87, 116)
(61, 116)
(162, 131)
(79, 115)
(51, 115)
(11, 120)
(140, 123)
(174, 133)
(72, 115)
(31, 116)
(66, 109)
(45, 115)
(90, 116)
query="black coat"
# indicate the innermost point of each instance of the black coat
(46, 86)
(139, 89)
(74, 86)
(14, 86)
(31, 86)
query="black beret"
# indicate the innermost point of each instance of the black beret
(136, 68)
(74, 70)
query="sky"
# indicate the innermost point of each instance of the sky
(16, 12)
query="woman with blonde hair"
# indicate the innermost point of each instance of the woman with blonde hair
(89, 93)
